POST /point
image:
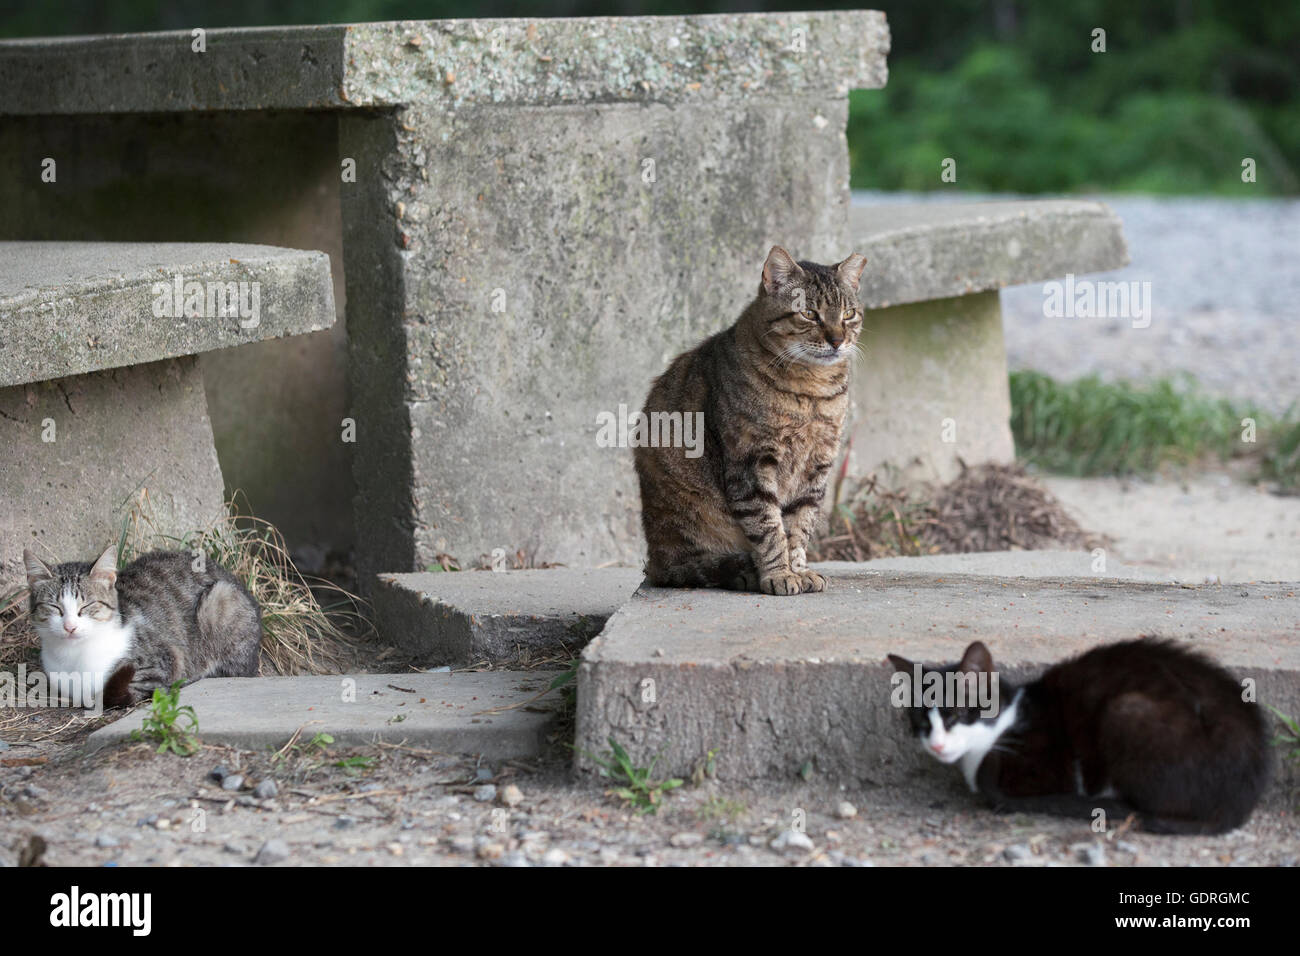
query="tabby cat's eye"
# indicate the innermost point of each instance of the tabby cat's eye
(809, 315)
(93, 607)
(849, 313)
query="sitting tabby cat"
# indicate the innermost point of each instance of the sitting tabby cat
(1145, 726)
(155, 622)
(773, 390)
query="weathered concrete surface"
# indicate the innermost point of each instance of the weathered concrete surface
(269, 178)
(471, 616)
(76, 450)
(489, 713)
(72, 307)
(452, 62)
(926, 251)
(772, 684)
(518, 272)
(930, 390)
(1007, 564)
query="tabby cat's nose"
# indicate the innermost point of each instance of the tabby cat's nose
(833, 340)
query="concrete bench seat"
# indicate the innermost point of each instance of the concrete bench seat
(935, 250)
(67, 308)
(101, 392)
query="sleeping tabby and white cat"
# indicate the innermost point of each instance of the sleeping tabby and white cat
(154, 622)
(1146, 727)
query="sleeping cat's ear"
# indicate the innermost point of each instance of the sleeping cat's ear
(105, 569)
(37, 570)
(850, 270)
(779, 271)
(977, 659)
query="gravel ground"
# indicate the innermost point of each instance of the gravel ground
(1224, 288)
(131, 806)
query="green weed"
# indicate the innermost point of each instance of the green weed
(163, 723)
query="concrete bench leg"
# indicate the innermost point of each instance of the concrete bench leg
(78, 448)
(931, 387)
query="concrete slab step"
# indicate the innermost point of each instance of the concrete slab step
(772, 685)
(472, 616)
(491, 713)
(1010, 564)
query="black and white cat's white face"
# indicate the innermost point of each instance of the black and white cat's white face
(955, 728)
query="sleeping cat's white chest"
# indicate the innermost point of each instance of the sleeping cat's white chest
(97, 655)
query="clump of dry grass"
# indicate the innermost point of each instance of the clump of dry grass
(990, 507)
(874, 522)
(300, 635)
(18, 642)
(1001, 508)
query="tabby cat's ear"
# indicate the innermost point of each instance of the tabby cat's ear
(779, 271)
(37, 570)
(850, 270)
(105, 569)
(976, 660)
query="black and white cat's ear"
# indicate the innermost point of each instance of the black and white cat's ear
(105, 569)
(37, 570)
(779, 271)
(850, 270)
(976, 660)
(900, 664)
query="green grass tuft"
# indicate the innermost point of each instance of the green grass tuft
(1090, 427)
(170, 724)
(633, 785)
(1282, 458)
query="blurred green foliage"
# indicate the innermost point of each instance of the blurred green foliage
(1092, 427)
(1010, 89)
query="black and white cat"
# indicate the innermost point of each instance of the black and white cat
(1146, 726)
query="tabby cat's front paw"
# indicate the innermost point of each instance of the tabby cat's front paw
(811, 581)
(798, 560)
(782, 583)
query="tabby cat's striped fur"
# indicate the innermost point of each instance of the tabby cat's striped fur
(773, 389)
